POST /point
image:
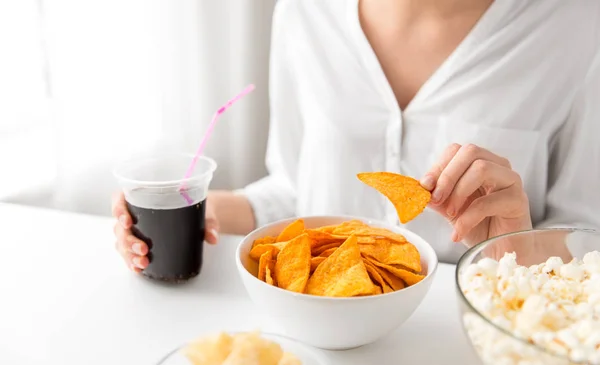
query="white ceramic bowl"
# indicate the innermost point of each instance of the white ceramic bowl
(334, 323)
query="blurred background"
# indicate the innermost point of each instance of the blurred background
(85, 83)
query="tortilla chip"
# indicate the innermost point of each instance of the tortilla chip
(407, 194)
(330, 229)
(321, 238)
(292, 267)
(328, 252)
(391, 253)
(315, 262)
(257, 251)
(264, 240)
(269, 276)
(377, 290)
(371, 233)
(343, 274)
(318, 250)
(407, 276)
(264, 261)
(292, 231)
(377, 278)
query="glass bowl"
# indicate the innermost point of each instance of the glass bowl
(491, 336)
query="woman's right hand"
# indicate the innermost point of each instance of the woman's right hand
(132, 249)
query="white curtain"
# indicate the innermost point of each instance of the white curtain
(129, 75)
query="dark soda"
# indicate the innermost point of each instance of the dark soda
(175, 239)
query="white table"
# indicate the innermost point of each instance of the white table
(66, 298)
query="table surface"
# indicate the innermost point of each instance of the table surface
(66, 298)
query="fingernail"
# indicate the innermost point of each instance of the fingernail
(123, 221)
(137, 261)
(215, 234)
(436, 196)
(427, 182)
(454, 236)
(451, 212)
(137, 248)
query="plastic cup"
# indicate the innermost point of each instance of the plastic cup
(171, 226)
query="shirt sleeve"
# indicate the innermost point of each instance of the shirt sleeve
(573, 198)
(274, 197)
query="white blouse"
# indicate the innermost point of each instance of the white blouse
(525, 84)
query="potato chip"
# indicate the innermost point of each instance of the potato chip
(407, 194)
(292, 267)
(251, 349)
(377, 278)
(289, 359)
(328, 252)
(264, 261)
(315, 262)
(210, 350)
(343, 274)
(407, 276)
(292, 231)
(257, 251)
(264, 240)
(391, 253)
(371, 233)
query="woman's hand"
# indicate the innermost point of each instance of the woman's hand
(134, 250)
(478, 193)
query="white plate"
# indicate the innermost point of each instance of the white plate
(306, 354)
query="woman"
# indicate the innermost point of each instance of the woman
(494, 105)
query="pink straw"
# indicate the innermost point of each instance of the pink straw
(207, 135)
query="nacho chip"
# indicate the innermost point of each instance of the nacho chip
(328, 252)
(264, 240)
(370, 233)
(292, 231)
(263, 263)
(330, 229)
(377, 290)
(315, 262)
(391, 253)
(407, 194)
(343, 274)
(269, 275)
(407, 276)
(377, 278)
(257, 251)
(292, 267)
(318, 250)
(321, 238)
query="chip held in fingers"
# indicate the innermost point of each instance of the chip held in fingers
(351, 259)
(405, 193)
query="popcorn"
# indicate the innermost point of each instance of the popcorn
(554, 305)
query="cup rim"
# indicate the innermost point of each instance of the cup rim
(212, 166)
(428, 277)
(480, 247)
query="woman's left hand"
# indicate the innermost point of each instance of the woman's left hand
(478, 193)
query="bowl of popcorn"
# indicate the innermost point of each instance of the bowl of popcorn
(533, 297)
